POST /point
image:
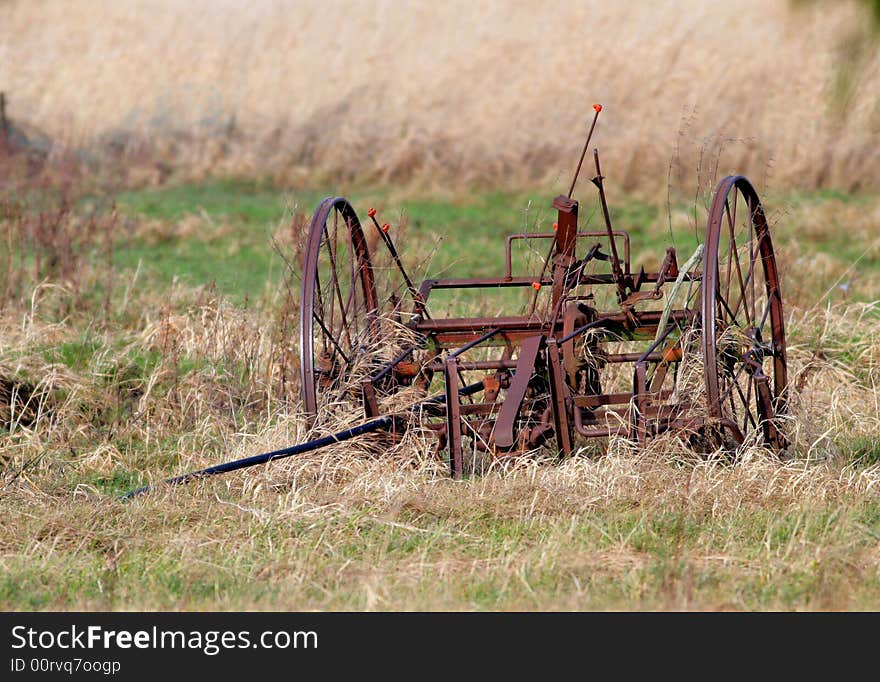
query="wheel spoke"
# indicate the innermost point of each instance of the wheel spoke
(748, 404)
(732, 401)
(749, 275)
(331, 338)
(343, 320)
(353, 299)
(766, 311)
(331, 301)
(748, 415)
(731, 247)
(735, 251)
(727, 391)
(353, 281)
(319, 298)
(334, 261)
(732, 313)
(752, 210)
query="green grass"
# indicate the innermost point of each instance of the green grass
(349, 530)
(241, 262)
(359, 557)
(74, 354)
(460, 237)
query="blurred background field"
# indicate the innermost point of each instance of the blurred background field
(161, 160)
(456, 93)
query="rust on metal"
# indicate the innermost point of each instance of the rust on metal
(552, 367)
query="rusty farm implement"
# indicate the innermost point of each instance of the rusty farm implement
(599, 350)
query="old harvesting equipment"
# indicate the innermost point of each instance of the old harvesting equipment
(697, 348)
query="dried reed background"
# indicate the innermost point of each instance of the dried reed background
(109, 380)
(493, 92)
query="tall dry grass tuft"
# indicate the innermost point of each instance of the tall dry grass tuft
(100, 370)
(452, 93)
(375, 523)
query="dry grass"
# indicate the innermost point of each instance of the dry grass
(452, 93)
(348, 532)
(164, 382)
(108, 381)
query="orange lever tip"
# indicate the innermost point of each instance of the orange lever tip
(371, 212)
(597, 107)
(536, 286)
(386, 227)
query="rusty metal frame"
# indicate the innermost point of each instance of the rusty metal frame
(542, 386)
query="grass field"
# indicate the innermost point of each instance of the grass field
(159, 161)
(453, 93)
(153, 336)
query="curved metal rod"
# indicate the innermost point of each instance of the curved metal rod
(581, 330)
(391, 365)
(660, 339)
(476, 342)
(368, 427)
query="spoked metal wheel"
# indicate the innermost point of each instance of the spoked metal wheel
(339, 303)
(743, 327)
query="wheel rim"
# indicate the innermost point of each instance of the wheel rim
(338, 310)
(743, 326)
